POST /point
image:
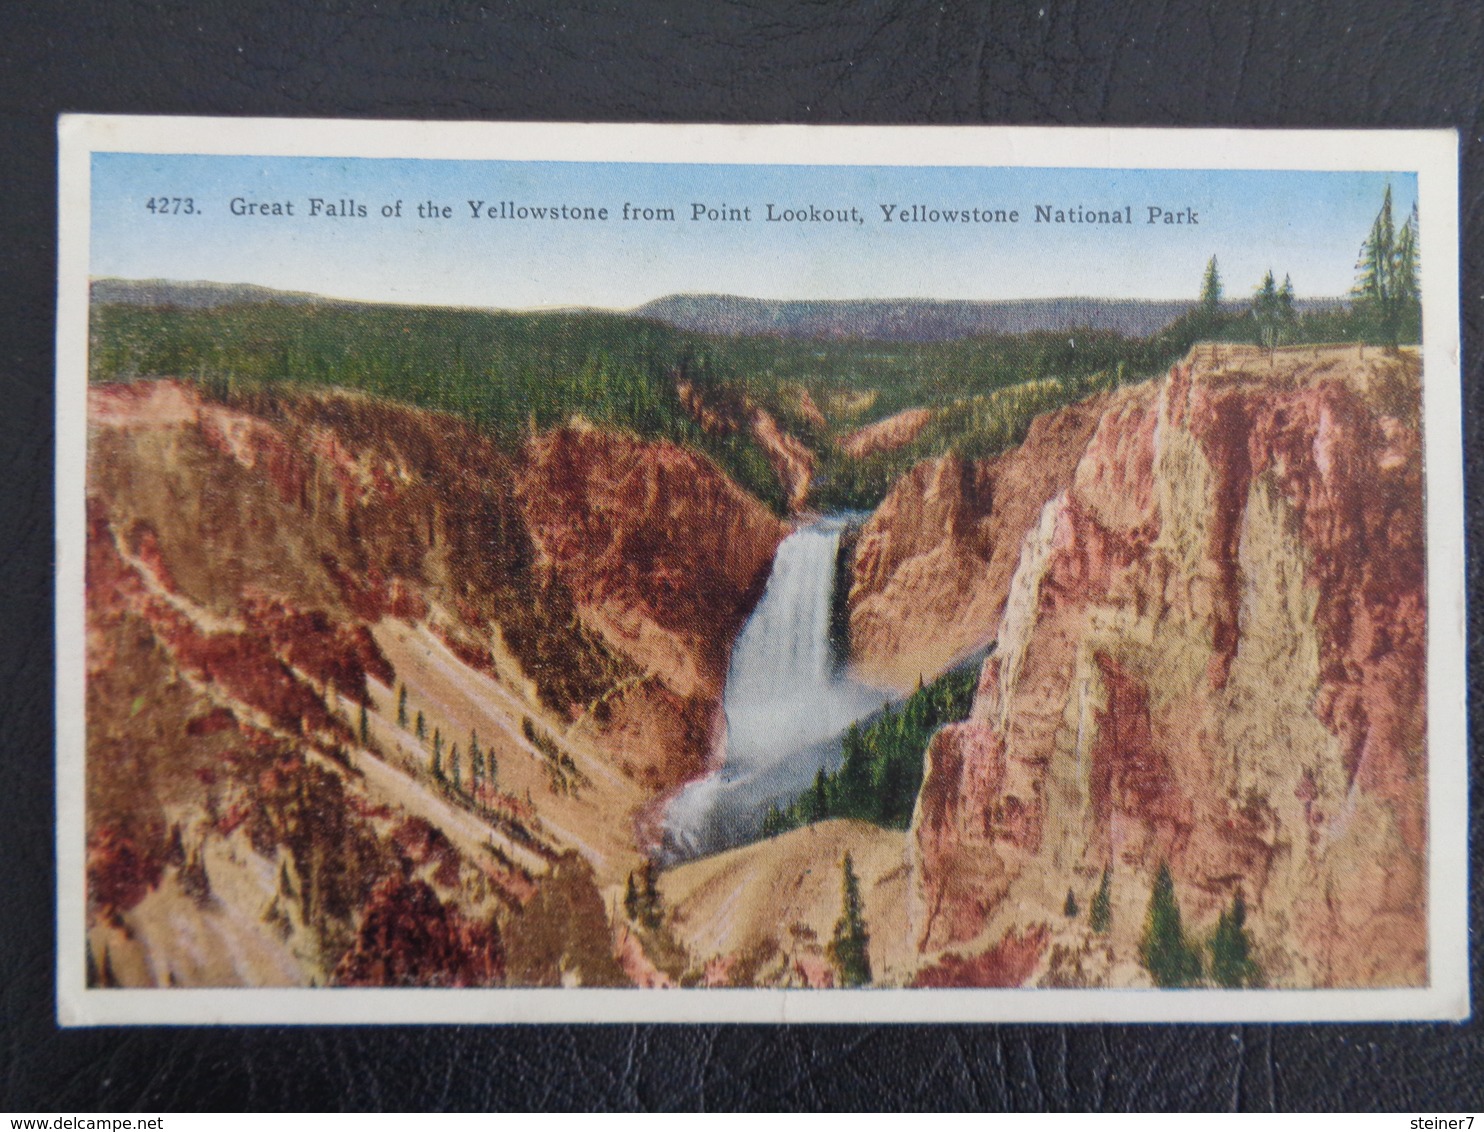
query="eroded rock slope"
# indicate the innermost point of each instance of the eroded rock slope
(1208, 608)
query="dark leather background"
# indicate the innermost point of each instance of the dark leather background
(1218, 63)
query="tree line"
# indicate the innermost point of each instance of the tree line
(1385, 302)
(513, 374)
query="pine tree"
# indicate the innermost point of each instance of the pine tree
(453, 759)
(1407, 281)
(1211, 289)
(1373, 283)
(1232, 964)
(1267, 313)
(1408, 263)
(651, 909)
(402, 708)
(1100, 918)
(631, 899)
(437, 754)
(776, 821)
(365, 728)
(817, 800)
(849, 950)
(193, 879)
(898, 793)
(1164, 950)
(1070, 907)
(421, 729)
(1386, 283)
(476, 761)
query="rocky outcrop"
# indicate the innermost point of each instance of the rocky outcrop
(791, 460)
(810, 411)
(725, 412)
(664, 556)
(895, 432)
(336, 503)
(934, 561)
(1211, 653)
(344, 711)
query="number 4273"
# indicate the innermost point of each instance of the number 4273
(171, 206)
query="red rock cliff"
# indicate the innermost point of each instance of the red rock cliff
(933, 562)
(664, 555)
(303, 600)
(1210, 651)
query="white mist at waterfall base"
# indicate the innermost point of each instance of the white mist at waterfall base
(786, 702)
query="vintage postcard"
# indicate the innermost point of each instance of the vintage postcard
(561, 572)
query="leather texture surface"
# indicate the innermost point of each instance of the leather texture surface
(1239, 64)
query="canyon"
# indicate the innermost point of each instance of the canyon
(302, 606)
(1202, 599)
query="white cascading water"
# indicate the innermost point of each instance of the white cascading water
(786, 704)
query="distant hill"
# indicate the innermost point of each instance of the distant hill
(919, 320)
(894, 320)
(195, 294)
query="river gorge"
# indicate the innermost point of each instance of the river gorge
(414, 678)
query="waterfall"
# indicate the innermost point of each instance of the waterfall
(786, 704)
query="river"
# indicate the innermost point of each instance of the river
(787, 702)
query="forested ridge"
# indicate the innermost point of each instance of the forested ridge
(515, 373)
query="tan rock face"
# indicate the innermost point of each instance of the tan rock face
(888, 435)
(664, 555)
(725, 413)
(298, 603)
(934, 561)
(1211, 652)
(791, 460)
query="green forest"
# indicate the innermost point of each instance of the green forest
(882, 767)
(514, 373)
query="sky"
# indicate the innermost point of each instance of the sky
(1309, 225)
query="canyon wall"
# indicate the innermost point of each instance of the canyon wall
(1203, 600)
(1208, 612)
(665, 557)
(933, 562)
(356, 688)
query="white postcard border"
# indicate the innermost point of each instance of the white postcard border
(1432, 154)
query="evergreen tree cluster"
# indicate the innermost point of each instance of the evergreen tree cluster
(849, 948)
(1385, 303)
(510, 374)
(482, 766)
(1387, 295)
(1174, 959)
(1273, 311)
(882, 769)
